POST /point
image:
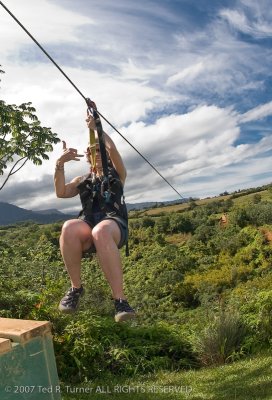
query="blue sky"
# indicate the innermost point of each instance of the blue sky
(188, 82)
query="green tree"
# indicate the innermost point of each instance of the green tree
(240, 217)
(162, 224)
(192, 204)
(22, 138)
(180, 223)
(147, 221)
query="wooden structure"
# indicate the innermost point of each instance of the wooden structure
(27, 361)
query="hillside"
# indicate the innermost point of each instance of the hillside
(201, 289)
(153, 204)
(238, 198)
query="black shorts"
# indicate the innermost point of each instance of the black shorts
(95, 218)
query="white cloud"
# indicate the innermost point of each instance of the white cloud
(200, 143)
(257, 27)
(169, 87)
(129, 70)
(187, 74)
(47, 22)
(260, 112)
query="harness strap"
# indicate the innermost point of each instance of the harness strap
(127, 249)
(92, 148)
(93, 110)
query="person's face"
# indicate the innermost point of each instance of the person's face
(98, 160)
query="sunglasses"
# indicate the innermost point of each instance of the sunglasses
(97, 150)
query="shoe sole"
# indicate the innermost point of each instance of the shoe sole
(124, 316)
(67, 310)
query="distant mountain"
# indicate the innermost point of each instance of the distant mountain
(10, 214)
(151, 204)
(49, 211)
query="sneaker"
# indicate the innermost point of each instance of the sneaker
(70, 302)
(123, 311)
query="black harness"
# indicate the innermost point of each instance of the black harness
(94, 201)
(92, 194)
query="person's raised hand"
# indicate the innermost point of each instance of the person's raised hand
(69, 154)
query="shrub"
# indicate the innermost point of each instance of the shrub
(222, 340)
(257, 312)
(180, 223)
(162, 224)
(257, 198)
(147, 221)
(92, 345)
(254, 214)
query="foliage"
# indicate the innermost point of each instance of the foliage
(222, 339)
(257, 314)
(22, 138)
(184, 275)
(91, 345)
(254, 214)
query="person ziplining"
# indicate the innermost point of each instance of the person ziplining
(102, 225)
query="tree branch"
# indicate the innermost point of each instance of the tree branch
(14, 172)
(11, 172)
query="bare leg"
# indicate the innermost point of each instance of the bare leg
(76, 236)
(106, 236)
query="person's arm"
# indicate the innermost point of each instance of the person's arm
(62, 189)
(116, 158)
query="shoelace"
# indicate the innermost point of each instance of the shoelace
(72, 296)
(122, 306)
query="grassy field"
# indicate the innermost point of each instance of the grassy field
(250, 379)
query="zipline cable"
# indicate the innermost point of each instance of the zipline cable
(81, 94)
